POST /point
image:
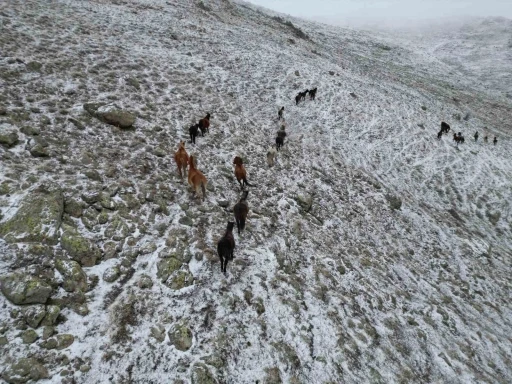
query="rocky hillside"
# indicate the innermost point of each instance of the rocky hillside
(373, 251)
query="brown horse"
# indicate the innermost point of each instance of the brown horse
(240, 173)
(204, 124)
(195, 178)
(241, 209)
(181, 159)
(226, 246)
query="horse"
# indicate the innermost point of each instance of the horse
(282, 133)
(280, 113)
(476, 136)
(240, 173)
(485, 138)
(495, 141)
(240, 210)
(312, 93)
(445, 128)
(440, 134)
(279, 142)
(193, 131)
(195, 178)
(181, 159)
(297, 98)
(271, 154)
(226, 246)
(204, 124)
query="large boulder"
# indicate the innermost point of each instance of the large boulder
(79, 248)
(74, 277)
(180, 336)
(38, 218)
(24, 370)
(110, 114)
(9, 139)
(22, 288)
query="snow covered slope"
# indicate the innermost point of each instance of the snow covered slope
(373, 252)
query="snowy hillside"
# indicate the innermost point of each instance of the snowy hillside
(478, 48)
(373, 252)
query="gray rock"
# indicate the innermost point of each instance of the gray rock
(9, 139)
(202, 375)
(353, 95)
(158, 332)
(394, 202)
(29, 336)
(181, 336)
(30, 130)
(185, 220)
(145, 282)
(305, 201)
(93, 175)
(64, 340)
(79, 248)
(90, 197)
(166, 267)
(38, 150)
(180, 279)
(38, 218)
(114, 116)
(21, 289)
(73, 208)
(75, 278)
(111, 274)
(110, 250)
(52, 313)
(76, 123)
(273, 376)
(34, 315)
(24, 370)
(117, 229)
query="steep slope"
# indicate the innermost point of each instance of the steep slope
(373, 252)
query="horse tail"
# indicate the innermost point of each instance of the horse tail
(246, 182)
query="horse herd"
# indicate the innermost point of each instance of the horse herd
(197, 181)
(457, 137)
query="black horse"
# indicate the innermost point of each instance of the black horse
(445, 128)
(226, 246)
(279, 142)
(194, 132)
(241, 209)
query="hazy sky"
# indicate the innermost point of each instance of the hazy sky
(389, 12)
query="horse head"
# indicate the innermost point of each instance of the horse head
(238, 160)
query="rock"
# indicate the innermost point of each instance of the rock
(29, 336)
(166, 267)
(493, 217)
(34, 66)
(185, 220)
(394, 202)
(223, 203)
(3, 341)
(103, 218)
(38, 150)
(114, 116)
(84, 368)
(145, 282)
(111, 274)
(34, 315)
(73, 208)
(273, 376)
(48, 332)
(353, 95)
(24, 370)
(64, 340)
(117, 229)
(76, 123)
(30, 130)
(181, 337)
(180, 279)
(202, 375)
(52, 312)
(79, 248)
(331, 73)
(110, 250)
(305, 200)
(90, 197)
(133, 82)
(49, 343)
(9, 139)
(75, 278)
(21, 289)
(158, 332)
(297, 73)
(258, 305)
(38, 218)
(93, 175)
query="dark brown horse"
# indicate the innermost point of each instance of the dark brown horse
(193, 131)
(204, 124)
(445, 128)
(226, 246)
(241, 209)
